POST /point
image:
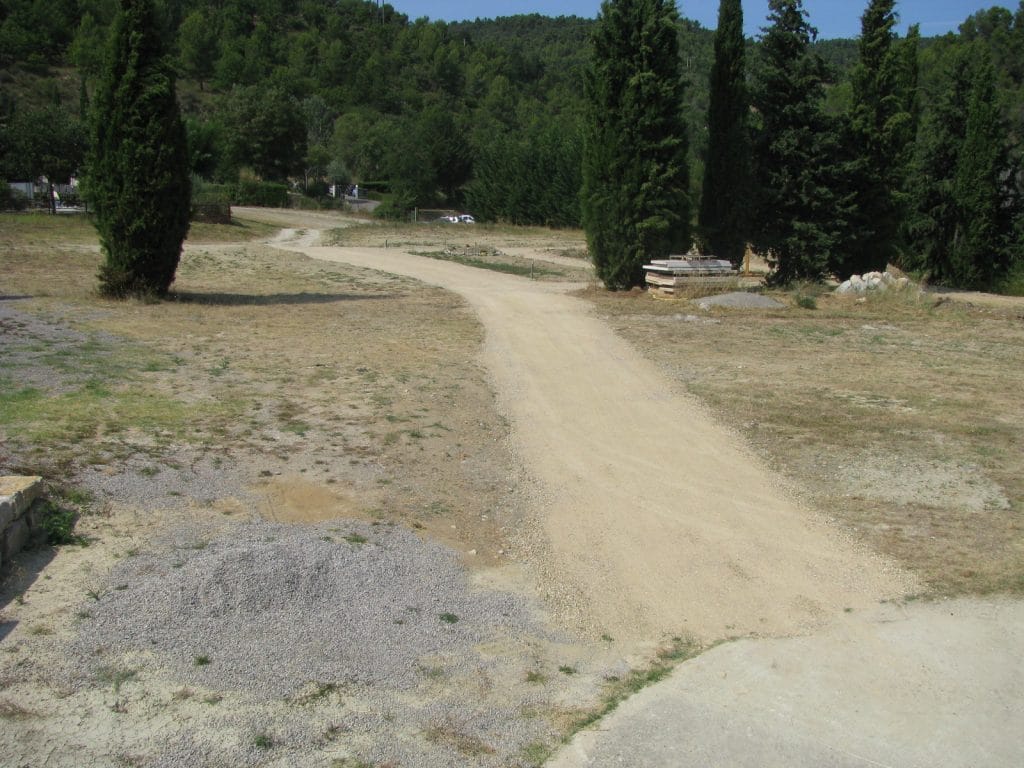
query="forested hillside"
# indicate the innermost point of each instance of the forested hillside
(480, 115)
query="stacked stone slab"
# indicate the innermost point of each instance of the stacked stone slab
(21, 515)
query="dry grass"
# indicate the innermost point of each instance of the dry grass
(900, 416)
(360, 383)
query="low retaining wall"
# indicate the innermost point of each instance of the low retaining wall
(21, 512)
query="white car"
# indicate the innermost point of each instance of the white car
(466, 219)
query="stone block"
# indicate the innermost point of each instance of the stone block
(15, 538)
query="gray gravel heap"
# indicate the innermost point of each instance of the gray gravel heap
(273, 607)
(740, 300)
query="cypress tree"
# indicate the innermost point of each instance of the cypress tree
(635, 199)
(979, 252)
(799, 212)
(933, 219)
(724, 206)
(882, 124)
(138, 178)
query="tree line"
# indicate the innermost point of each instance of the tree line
(823, 183)
(492, 116)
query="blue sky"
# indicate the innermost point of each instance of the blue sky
(833, 18)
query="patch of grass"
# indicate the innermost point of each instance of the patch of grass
(355, 538)
(521, 268)
(618, 690)
(536, 754)
(201, 660)
(263, 740)
(465, 743)
(448, 618)
(533, 676)
(565, 669)
(115, 676)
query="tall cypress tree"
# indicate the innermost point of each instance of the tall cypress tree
(724, 207)
(881, 128)
(635, 199)
(799, 213)
(933, 219)
(138, 177)
(979, 252)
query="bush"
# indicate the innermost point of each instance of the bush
(12, 199)
(262, 193)
(1013, 283)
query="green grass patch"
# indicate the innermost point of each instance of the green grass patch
(521, 269)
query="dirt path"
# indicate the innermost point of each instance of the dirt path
(655, 519)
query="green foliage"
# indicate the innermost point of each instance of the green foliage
(262, 193)
(882, 127)
(799, 212)
(58, 523)
(967, 198)
(43, 142)
(724, 208)
(635, 199)
(529, 177)
(138, 179)
(265, 131)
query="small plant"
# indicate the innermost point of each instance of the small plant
(565, 669)
(806, 302)
(116, 676)
(59, 525)
(448, 618)
(355, 538)
(533, 676)
(201, 660)
(263, 740)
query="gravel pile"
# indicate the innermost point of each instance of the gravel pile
(740, 300)
(345, 635)
(267, 608)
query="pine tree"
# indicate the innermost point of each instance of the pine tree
(724, 205)
(138, 178)
(882, 124)
(799, 211)
(635, 199)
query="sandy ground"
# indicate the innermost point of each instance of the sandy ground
(656, 521)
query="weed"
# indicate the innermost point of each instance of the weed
(59, 524)
(150, 471)
(533, 676)
(213, 698)
(40, 629)
(355, 538)
(115, 676)
(263, 740)
(448, 618)
(565, 669)
(94, 594)
(201, 660)
(350, 762)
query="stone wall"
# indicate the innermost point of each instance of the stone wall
(21, 513)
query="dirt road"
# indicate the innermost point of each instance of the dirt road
(653, 520)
